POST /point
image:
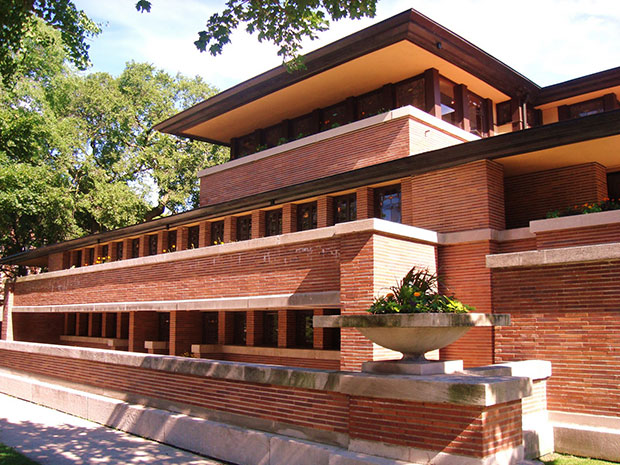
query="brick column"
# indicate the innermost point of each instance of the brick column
(289, 218)
(185, 330)
(6, 333)
(94, 324)
(319, 339)
(162, 241)
(254, 328)
(108, 324)
(144, 245)
(365, 203)
(230, 229)
(225, 333)
(127, 249)
(81, 324)
(182, 238)
(406, 202)
(204, 238)
(286, 328)
(324, 211)
(258, 224)
(143, 326)
(56, 261)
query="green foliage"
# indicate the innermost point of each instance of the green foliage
(559, 459)
(78, 154)
(9, 456)
(593, 207)
(417, 293)
(18, 22)
(284, 23)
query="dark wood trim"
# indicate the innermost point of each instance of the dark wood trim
(489, 123)
(432, 96)
(409, 25)
(539, 138)
(461, 103)
(563, 113)
(610, 102)
(582, 85)
(518, 117)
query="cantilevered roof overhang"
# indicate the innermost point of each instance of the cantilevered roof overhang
(390, 51)
(594, 138)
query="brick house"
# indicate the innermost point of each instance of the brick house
(400, 145)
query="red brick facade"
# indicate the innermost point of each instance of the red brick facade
(569, 315)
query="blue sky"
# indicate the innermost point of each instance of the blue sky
(548, 41)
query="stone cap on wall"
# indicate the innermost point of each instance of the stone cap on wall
(462, 389)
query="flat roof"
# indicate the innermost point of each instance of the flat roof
(394, 49)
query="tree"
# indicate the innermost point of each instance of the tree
(78, 154)
(18, 19)
(285, 23)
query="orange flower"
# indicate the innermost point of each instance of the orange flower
(417, 294)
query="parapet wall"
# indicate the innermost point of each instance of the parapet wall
(472, 419)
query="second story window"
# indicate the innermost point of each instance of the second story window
(306, 216)
(152, 244)
(193, 237)
(239, 328)
(119, 250)
(304, 331)
(244, 228)
(217, 232)
(90, 256)
(270, 329)
(273, 222)
(210, 325)
(172, 241)
(135, 248)
(78, 259)
(345, 208)
(387, 203)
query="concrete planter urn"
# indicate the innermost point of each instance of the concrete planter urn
(413, 334)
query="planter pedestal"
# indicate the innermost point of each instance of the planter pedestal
(405, 367)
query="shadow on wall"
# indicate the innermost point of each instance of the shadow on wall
(68, 444)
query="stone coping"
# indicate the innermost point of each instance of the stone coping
(559, 256)
(371, 225)
(403, 112)
(156, 345)
(575, 221)
(533, 369)
(314, 354)
(411, 320)
(461, 389)
(109, 341)
(326, 299)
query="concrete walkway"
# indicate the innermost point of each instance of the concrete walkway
(55, 438)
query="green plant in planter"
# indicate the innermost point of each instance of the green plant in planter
(593, 207)
(417, 293)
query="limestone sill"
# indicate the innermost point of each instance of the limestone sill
(206, 349)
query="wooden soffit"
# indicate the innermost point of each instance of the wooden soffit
(390, 51)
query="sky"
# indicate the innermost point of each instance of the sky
(548, 41)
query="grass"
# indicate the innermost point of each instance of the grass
(10, 456)
(557, 459)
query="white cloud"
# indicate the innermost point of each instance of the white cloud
(547, 41)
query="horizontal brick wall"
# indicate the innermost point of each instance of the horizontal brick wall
(465, 275)
(304, 267)
(537, 402)
(337, 155)
(520, 245)
(369, 146)
(465, 197)
(531, 196)
(578, 236)
(470, 431)
(38, 327)
(462, 430)
(569, 315)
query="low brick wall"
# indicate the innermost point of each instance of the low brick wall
(468, 417)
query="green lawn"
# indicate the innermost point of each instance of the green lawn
(10, 456)
(557, 459)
